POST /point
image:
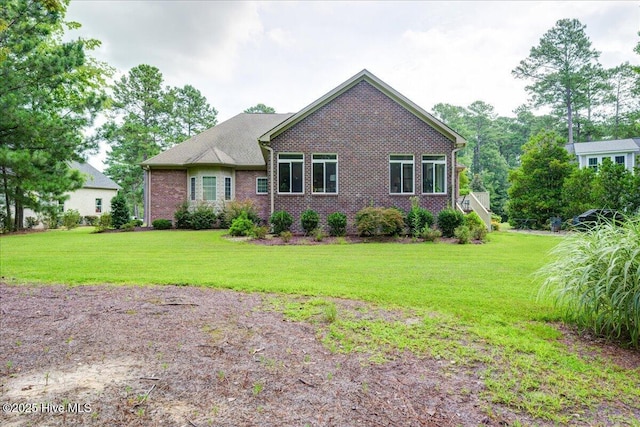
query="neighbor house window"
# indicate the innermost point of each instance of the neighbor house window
(227, 188)
(592, 162)
(434, 174)
(620, 160)
(193, 188)
(98, 205)
(208, 188)
(401, 174)
(262, 185)
(290, 173)
(325, 173)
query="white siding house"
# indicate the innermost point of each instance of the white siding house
(621, 151)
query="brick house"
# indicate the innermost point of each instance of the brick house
(361, 144)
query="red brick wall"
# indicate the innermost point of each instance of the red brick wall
(246, 189)
(363, 126)
(168, 191)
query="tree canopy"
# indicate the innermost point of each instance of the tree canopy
(260, 109)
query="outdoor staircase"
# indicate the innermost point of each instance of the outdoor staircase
(476, 202)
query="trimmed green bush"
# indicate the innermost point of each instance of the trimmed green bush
(119, 211)
(129, 226)
(203, 217)
(392, 222)
(161, 224)
(373, 222)
(430, 234)
(448, 220)
(242, 226)
(260, 232)
(235, 208)
(309, 221)
(337, 224)
(595, 279)
(104, 222)
(463, 234)
(183, 216)
(281, 222)
(71, 219)
(417, 219)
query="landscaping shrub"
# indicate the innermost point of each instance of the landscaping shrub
(430, 234)
(119, 211)
(31, 222)
(235, 208)
(309, 220)
(392, 222)
(595, 279)
(183, 216)
(463, 234)
(337, 224)
(318, 234)
(161, 224)
(91, 220)
(286, 236)
(242, 226)
(476, 226)
(281, 222)
(129, 226)
(203, 217)
(449, 220)
(71, 219)
(103, 223)
(260, 232)
(417, 219)
(372, 221)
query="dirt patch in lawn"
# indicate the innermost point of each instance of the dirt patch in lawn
(182, 356)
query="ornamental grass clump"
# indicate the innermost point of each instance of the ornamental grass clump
(595, 280)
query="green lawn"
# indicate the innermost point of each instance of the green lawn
(478, 302)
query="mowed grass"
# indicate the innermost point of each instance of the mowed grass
(476, 305)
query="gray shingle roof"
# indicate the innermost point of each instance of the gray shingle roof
(618, 145)
(94, 178)
(233, 142)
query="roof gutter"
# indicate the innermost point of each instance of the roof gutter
(453, 175)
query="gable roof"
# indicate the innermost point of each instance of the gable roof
(602, 147)
(232, 143)
(387, 90)
(94, 178)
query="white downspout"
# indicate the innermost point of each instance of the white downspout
(453, 177)
(147, 197)
(271, 183)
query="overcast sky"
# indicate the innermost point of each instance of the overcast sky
(288, 54)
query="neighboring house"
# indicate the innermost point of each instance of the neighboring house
(94, 198)
(621, 151)
(361, 144)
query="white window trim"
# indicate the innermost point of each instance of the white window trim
(257, 186)
(439, 162)
(402, 162)
(324, 161)
(290, 193)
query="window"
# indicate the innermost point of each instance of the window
(227, 188)
(593, 162)
(325, 173)
(208, 188)
(262, 185)
(193, 188)
(290, 173)
(434, 174)
(98, 205)
(620, 160)
(401, 174)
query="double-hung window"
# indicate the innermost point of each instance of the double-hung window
(434, 174)
(192, 188)
(98, 205)
(208, 188)
(290, 173)
(593, 162)
(325, 173)
(262, 185)
(227, 188)
(401, 174)
(620, 160)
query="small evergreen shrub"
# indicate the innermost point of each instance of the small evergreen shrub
(103, 223)
(430, 234)
(119, 211)
(161, 224)
(309, 220)
(203, 217)
(337, 224)
(71, 219)
(129, 226)
(242, 226)
(281, 222)
(235, 208)
(463, 234)
(183, 216)
(448, 220)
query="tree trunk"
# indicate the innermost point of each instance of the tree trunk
(569, 115)
(7, 199)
